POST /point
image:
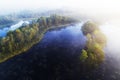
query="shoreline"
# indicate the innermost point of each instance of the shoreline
(32, 44)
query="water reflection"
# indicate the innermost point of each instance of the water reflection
(69, 37)
(56, 56)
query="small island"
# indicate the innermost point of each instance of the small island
(93, 54)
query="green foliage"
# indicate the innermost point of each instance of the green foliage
(96, 41)
(25, 37)
(99, 38)
(89, 27)
(83, 55)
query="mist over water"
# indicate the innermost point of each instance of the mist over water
(112, 32)
(13, 27)
(112, 49)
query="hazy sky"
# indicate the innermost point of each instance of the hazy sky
(104, 6)
(99, 8)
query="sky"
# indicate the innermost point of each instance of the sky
(98, 6)
(95, 8)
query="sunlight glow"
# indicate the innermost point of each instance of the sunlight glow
(112, 32)
(95, 7)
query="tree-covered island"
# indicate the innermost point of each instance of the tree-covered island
(93, 54)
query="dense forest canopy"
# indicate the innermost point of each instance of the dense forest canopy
(25, 37)
(93, 53)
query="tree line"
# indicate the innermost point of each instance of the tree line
(25, 37)
(93, 53)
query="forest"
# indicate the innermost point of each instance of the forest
(93, 53)
(25, 37)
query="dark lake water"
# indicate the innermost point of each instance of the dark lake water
(56, 57)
